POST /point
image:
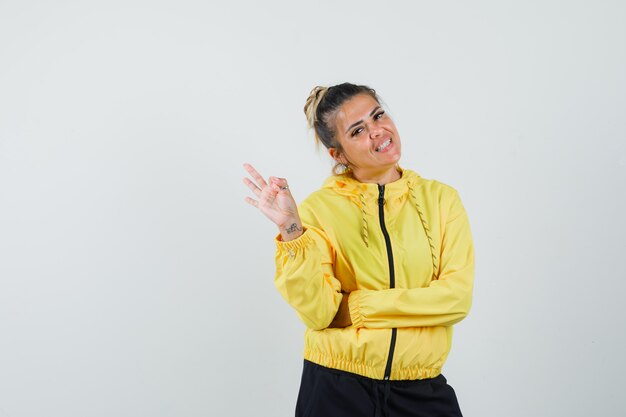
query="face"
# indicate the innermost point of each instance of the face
(368, 136)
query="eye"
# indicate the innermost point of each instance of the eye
(379, 115)
(357, 131)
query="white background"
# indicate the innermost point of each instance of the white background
(134, 280)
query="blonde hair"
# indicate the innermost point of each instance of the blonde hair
(320, 108)
(310, 107)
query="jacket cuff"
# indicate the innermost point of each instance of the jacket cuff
(298, 243)
(354, 305)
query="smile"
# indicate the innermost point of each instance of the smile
(383, 145)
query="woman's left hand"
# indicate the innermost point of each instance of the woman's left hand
(342, 318)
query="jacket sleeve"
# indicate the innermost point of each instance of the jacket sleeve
(444, 302)
(304, 277)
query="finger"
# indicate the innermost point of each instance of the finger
(281, 184)
(254, 174)
(268, 195)
(252, 186)
(251, 201)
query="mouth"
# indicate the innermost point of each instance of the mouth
(383, 146)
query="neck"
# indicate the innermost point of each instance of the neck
(380, 177)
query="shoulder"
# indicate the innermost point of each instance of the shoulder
(438, 197)
(431, 187)
(318, 207)
(333, 191)
(317, 199)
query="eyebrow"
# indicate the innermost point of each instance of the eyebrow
(361, 121)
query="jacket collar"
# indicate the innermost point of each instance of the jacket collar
(345, 184)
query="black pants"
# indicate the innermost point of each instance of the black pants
(326, 392)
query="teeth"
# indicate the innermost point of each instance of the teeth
(383, 145)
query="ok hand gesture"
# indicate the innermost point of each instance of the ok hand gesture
(275, 202)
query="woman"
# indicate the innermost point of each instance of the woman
(378, 264)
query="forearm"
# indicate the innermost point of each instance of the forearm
(304, 277)
(437, 305)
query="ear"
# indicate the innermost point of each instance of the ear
(337, 156)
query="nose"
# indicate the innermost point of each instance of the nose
(375, 131)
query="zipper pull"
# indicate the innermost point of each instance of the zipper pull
(381, 195)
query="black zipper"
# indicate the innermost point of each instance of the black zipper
(392, 276)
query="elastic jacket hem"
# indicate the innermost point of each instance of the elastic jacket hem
(362, 369)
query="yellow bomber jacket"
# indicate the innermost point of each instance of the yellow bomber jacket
(407, 261)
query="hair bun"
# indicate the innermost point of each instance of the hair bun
(310, 107)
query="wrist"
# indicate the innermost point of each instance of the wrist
(291, 230)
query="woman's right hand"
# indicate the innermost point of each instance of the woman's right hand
(275, 202)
